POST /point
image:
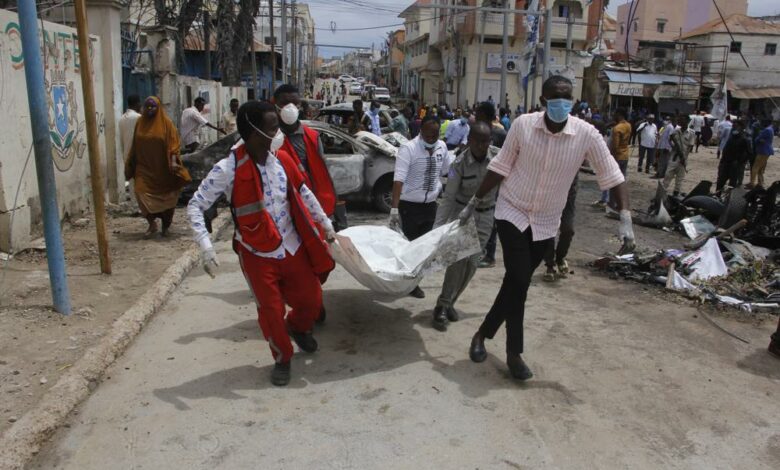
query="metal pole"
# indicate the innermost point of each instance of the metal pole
(479, 59)
(253, 60)
(273, 50)
(294, 45)
(547, 39)
(44, 166)
(569, 30)
(504, 46)
(90, 115)
(207, 41)
(284, 41)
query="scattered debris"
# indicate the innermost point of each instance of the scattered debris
(43, 380)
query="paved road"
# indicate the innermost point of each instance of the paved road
(624, 379)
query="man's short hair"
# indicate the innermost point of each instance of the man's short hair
(234, 100)
(621, 112)
(430, 118)
(285, 88)
(374, 104)
(487, 109)
(480, 126)
(252, 112)
(554, 81)
(133, 101)
(199, 100)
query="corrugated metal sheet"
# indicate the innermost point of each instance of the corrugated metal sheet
(755, 93)
(646, 78)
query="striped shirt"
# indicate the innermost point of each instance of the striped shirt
(539, 167)
(220, 181)
(420, 171)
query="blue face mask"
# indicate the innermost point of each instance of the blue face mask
(374, 111)
(463, 120)
(429, 146)
(558, 109)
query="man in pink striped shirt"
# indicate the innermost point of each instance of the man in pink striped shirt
(540, 157)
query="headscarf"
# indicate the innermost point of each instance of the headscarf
(154, 151)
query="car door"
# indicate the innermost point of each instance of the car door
(344, 161)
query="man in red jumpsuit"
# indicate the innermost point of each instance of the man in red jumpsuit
(280, 232)
(303, 144)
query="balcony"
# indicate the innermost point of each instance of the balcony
(578, 31)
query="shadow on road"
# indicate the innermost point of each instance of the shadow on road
(761, 363)
(361, 337)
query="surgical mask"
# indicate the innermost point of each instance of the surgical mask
(276, 141)
(558, 109)
(289, 114)
(374, 111)
(463, 120)
(429, 146)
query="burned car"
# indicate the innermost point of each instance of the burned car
(360, 166)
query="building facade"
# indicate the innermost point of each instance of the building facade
(639, 22)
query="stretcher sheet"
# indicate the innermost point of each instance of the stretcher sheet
(386, 262)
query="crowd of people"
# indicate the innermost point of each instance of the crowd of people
(283, 200)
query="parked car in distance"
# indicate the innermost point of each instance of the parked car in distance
(361, 80)
(340, 114)
(368, 92)
(382, 95)
(346, 78)
(355, 89)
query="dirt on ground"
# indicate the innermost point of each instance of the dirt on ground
(37, 344)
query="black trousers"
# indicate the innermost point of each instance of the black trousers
(556, 254)
(522, 256)
(729, 171)
(417, 218)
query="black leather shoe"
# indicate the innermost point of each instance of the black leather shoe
(477, 351)
(440, 319)
(417, 293)
(321, 318)
(280, 376)
(452, 314)
(517, 367)
(305, 341)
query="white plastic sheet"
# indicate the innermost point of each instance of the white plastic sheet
(707, 262)
(385, 262)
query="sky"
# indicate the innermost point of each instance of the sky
(346, 14)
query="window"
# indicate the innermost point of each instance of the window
(563, 11)
(770, 49)
(659, 53)
(636, 26)
(660, 26)
(622, 31)
(736, 46)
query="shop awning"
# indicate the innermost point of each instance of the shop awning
(755, 93)
(647, 78)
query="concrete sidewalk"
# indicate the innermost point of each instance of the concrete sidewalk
(623, 379)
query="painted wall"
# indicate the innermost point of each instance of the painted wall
(66, 125)
(763, 68)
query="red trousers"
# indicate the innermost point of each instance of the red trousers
(275, 283)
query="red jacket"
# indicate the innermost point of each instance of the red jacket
(317, 177)
(256, 225)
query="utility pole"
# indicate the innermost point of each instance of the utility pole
(44, 165)
(273, 49)
(284, 41)
(253, 61)
(479, 54)
(569, 28)
(547, 38)
(207, 41)
(294, 44)
(90, 115)
(504, 46)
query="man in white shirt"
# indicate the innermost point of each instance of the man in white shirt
(697, 122)
(419, 166)
(277, 235)
(648, 136)
(127, 123)
(535, 167)
(192, 120)
(724, 131)
(229, 118)
(457, 134)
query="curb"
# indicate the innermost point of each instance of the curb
(23, 439)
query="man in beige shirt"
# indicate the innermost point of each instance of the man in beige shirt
(229, 118)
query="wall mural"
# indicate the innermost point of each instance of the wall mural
(61, 69)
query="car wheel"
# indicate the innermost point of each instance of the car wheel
(382, 194)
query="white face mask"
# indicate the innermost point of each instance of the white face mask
(276, 141)
(289, 114)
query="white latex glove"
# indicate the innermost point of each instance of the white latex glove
(394, 223)
(626, 232)
(208, 257)
(330, 232)
(468, 211)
